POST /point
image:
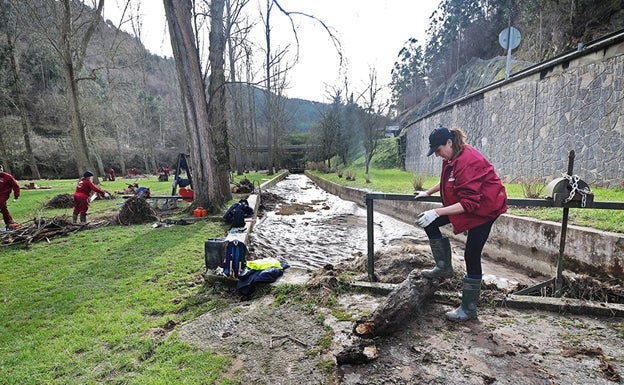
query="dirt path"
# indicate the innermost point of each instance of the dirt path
(294, 338)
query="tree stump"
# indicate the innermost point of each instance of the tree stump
(405, 301)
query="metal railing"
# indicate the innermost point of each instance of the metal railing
(557, 281)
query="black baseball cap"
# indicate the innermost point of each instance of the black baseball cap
(438, 137)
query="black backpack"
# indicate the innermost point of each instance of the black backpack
(235, 258)
(238, 217)
(236, 214)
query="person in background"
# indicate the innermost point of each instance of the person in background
(473, 197)
(8, 184)
(141, 191)
(111, 174)
(133, 171)
(84, 188)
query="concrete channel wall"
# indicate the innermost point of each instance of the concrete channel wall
(520, 241)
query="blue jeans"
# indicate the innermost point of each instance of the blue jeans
(477, 236)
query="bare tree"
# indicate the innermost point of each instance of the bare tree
(236, 33)
(210, 165)
(70, 38)
(276, 67)
(9, 22)
(373, 110)
(330, 129)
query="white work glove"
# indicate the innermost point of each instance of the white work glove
(15, 199)
(425, 218)
(106, 195)
(421, 194)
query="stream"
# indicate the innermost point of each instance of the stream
(310, 228)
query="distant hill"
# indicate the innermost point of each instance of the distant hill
(129, 98)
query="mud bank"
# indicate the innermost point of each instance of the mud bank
(294, 336)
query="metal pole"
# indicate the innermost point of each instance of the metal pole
(507, 68)
(370, 239)
(564, 227)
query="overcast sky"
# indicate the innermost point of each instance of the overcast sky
(371, 32)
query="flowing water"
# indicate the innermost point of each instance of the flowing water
(312, 228)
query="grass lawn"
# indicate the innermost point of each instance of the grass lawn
(95, 306)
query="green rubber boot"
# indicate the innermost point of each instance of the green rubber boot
(441, 250)
(83, 219)
(470, 298)
(75, 219)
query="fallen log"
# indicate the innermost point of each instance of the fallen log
(405, 301)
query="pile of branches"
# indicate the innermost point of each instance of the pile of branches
(590, 289)
(135, 211)
(245, 186)
(44, 229)
(62, 201)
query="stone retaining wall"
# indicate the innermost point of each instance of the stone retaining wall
(517, 240)
(527, 125)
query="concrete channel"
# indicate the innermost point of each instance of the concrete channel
(508, 243)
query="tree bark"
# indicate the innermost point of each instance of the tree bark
(403, 303)
(72, 58)
(209, 188)
(216, 107)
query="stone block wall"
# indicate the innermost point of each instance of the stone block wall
(527, 125)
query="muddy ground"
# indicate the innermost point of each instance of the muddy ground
(286, 334)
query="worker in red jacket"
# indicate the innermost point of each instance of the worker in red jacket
(473, 197)
(84, 188)
(8, 184)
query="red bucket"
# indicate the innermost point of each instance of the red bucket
(187, 195)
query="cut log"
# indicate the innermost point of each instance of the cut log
(358, 354)
(402, 304)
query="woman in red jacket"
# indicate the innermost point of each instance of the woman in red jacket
(473, 197)
(81, 196)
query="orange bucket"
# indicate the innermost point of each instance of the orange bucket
(199, 212)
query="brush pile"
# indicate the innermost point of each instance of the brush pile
(243, 187)
(44, 229)
(62, 201)
(136, 211)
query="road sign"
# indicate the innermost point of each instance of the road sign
(512, 35)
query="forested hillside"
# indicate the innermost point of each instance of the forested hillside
(129, 99)
(463, 52)
(67, 83)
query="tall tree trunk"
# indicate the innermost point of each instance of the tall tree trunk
(216, 107)
(120, 155)
(72, 60)
(18, 92)
(210, 177)
(268, 95)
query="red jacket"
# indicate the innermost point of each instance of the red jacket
(470, 179)
(84, 188)
(8, 183)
